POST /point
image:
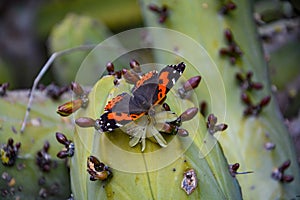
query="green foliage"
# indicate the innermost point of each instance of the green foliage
(41, 127)
(246, 136)
(140, 177)
(73, 31)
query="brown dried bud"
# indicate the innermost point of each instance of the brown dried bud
(69, 107)
(97, 169)
(131, 77)
(188, 114)
(135, 66)
(85, 122)
(76, 88)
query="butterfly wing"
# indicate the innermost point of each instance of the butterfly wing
(167, 78)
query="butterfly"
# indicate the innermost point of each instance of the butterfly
(147, 92)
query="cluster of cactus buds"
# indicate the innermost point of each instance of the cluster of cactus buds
(212, 125)
(246, 85)
(131, 76)
(162, 12)
(173, 127)
(72, 106)
(227, 7)
(189, 182)
(3, 88)
(278, 173)
(54, 91)
(43, 158)
(189, 85)
(69, 146)
(246, 82)
(254, 109)
(232, 51)
(97, 169)
(9, 152)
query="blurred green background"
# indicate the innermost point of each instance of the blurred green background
(30, 31)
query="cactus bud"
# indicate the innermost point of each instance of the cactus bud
(188, 114)
(76, 88)
(68, 108)
(110, 68)
(85, 122)
(135, 66)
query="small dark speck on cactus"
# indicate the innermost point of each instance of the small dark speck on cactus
(203, 108)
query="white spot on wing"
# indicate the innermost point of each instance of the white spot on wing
(173, 81)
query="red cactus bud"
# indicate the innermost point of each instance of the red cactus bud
(61, 138)
(287, 178)
(192, 83)
(257, 86)
(166, 107)
(110, 68)
(228, 35)
(246, 99)
(62, 154)
(188, 114)
(182, 132)
(265, 101)
(284, 165)
(85, 122)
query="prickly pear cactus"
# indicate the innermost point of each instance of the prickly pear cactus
(29, 167)
(256, 137)
(179, 170)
